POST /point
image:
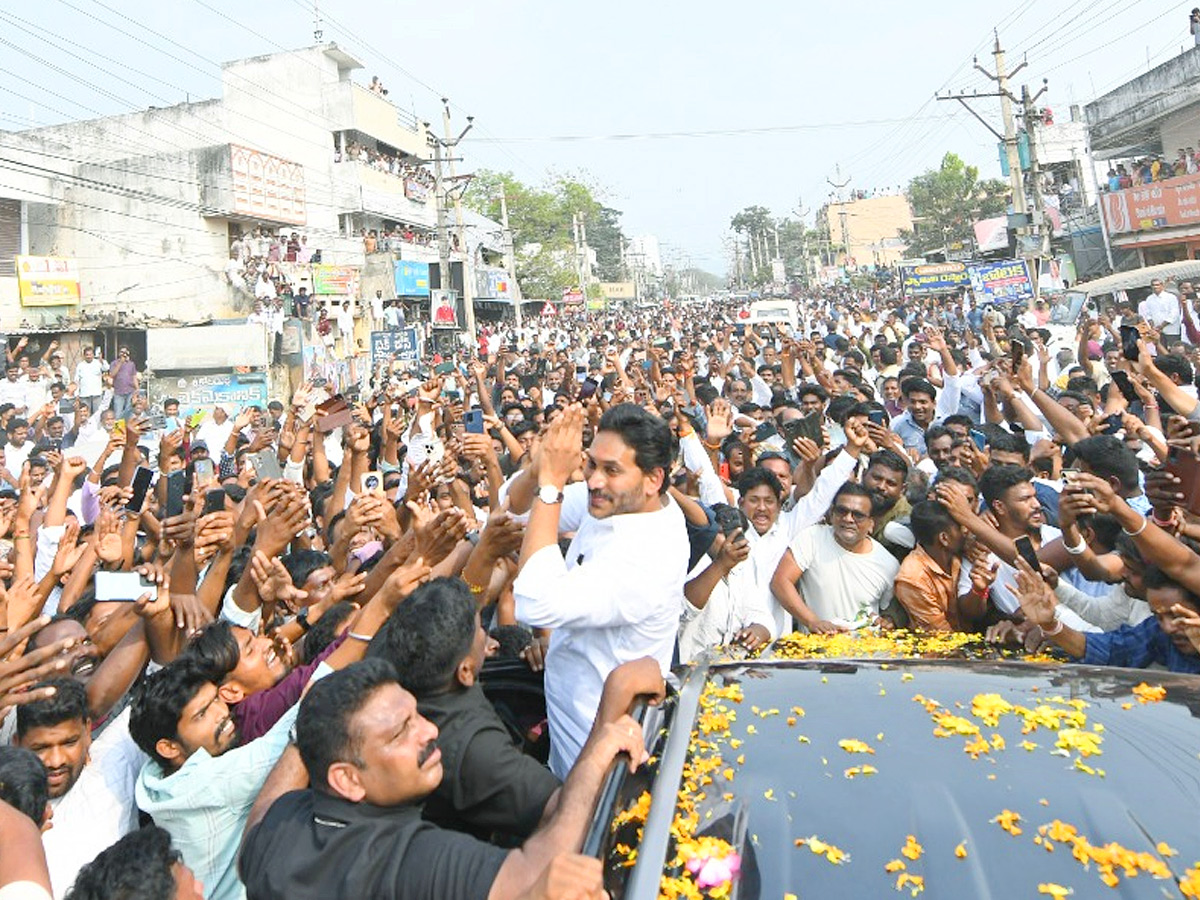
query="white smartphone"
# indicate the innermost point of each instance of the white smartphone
(121, 586)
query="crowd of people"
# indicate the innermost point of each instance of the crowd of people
(1150, 169)
(382, 161)
(242, 653)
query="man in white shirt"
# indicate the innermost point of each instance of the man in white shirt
(19, 446)
(89, 376)
(617, 595)
(37, 390)
(216, 430)
(837, 577)
(1161, 309)
(91, 782)
(12, 389)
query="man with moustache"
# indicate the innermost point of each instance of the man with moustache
(200, 782)
(370, 759)
(617, 594)
(91, 781)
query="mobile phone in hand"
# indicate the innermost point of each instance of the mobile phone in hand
(176, 487)
(1027, 553)
(1129, 342)
(141, 483)
(214, 501)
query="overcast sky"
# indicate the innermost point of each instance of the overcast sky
(799, 86)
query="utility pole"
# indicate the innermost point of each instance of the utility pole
(838, 186)
(1035, 172)
(439, 145)
(510, 255)
(439, 202)
(468, 294)
(1009, 137)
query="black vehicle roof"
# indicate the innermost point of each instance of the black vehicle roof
(1143, 787)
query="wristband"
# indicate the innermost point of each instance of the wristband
(1161, 523)
(1057, 629)
(1078, 550)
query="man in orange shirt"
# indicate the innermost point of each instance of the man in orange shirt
(927, 583)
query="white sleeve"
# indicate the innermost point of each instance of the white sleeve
(815, 503)
(948, 399)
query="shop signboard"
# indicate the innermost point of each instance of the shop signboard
(231, 390)
(47, 281)
(1148, 207)
(412, 278)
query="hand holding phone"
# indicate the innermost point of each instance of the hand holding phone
(1026, 552)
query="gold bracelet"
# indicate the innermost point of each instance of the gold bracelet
(475, 589)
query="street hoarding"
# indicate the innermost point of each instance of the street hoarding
(412, 278)
(47, 281)
(338, 280)
(934, 278)
(1001, 282)
(404, 344)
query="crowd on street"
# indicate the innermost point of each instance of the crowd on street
(243, 650)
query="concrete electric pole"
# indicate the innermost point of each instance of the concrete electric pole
(468, 294)
(1009, 137)
(510, 255)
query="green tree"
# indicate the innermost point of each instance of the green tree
(540, 217)
(947, 201)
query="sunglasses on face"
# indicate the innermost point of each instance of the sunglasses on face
(841, 512)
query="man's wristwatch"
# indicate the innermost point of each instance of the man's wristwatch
(548, 494)
(302, 620)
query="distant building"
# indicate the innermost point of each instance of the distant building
(867, 229)
(1152, 118)
(149, 204)
(643, 253)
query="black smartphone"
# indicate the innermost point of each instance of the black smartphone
(214, 501)
(879, 417)
(763, 431)
(730, 519)
(1121, 379)
(979, 438)
(809, 427)
(176, 488)
(443, 368)
(473, 421)
(1129, 342)
(588, 388)
(1112, 424)
(1027, 553)
(141, 483)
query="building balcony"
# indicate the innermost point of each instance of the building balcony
(355, 108)
(359, 187)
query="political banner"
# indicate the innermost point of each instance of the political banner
(934, 278)
(1002, 282)
(404, 344)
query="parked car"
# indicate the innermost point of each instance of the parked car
(857, 778)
